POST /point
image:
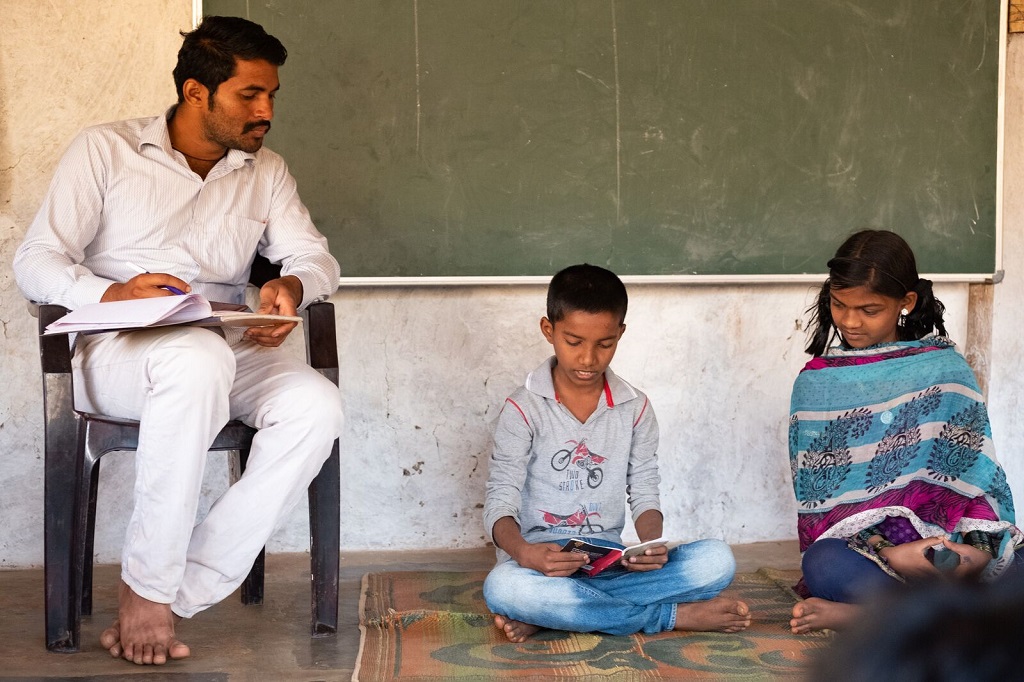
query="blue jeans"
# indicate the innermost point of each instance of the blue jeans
(616, 601)
(835, 572)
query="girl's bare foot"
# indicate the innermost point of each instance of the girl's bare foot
(720, 614)
(821, 614)
(515, 630)
(143, 632)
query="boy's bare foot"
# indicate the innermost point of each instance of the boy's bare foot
(515, 630)
(720, 614)
(143, 632)
(815, 613)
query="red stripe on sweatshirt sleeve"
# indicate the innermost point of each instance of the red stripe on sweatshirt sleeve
(641, 415)
(523, 414)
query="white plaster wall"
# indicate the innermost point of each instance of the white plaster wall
(432, 367)
(425, 370)
(1006, 390)
(63, 65)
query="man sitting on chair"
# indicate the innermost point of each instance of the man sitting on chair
(190, 197)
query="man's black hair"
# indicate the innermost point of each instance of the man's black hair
(588, 288)
(209, 52)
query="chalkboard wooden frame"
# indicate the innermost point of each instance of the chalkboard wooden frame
(985, 276)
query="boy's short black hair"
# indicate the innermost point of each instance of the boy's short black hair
(588, 288)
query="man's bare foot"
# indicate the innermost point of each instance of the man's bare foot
(821, 614)
(143, 632)
(720, 614)
(515, 630)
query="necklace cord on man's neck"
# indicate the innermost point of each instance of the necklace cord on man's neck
(199, 158)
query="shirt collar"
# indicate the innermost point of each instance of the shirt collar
(616, 390)
(156, 133)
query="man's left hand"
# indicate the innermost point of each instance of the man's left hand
(279, 296)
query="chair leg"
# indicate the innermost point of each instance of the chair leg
(90, 537)
(62, 571)
(252, 586)
(325, 545)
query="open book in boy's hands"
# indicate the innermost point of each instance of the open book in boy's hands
(162, 311)
(603, 557)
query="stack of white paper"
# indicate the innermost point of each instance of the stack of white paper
(160, 311)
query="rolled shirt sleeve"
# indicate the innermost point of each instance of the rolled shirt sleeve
(48, 263)
(292, 240)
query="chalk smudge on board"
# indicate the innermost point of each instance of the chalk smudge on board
(416, 43)
(618, 122)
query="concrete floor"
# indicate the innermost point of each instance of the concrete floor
(231, 642)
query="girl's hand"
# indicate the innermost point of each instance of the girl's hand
(652, 559)
(909, 559)
(549, 559)
(972, 560)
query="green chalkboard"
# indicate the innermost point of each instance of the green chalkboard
(656, 137)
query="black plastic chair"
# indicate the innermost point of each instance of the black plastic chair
(75, 441)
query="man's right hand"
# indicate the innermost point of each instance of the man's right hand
(148, 285)
(549, 559)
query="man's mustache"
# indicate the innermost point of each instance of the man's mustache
(256, 124)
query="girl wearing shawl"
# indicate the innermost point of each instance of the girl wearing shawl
(889, 442)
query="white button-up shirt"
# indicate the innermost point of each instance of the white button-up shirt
(123, 197)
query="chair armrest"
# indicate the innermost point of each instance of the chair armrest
(54, 351)
(322, 339)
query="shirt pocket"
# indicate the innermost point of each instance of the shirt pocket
(224, 252)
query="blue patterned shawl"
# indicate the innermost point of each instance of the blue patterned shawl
(897, 431)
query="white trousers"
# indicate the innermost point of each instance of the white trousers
(183, 384)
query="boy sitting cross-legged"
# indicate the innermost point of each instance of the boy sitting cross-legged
(567, 446)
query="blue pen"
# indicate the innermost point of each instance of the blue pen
(144, 271)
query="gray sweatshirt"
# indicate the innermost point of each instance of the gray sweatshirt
(558, 478)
